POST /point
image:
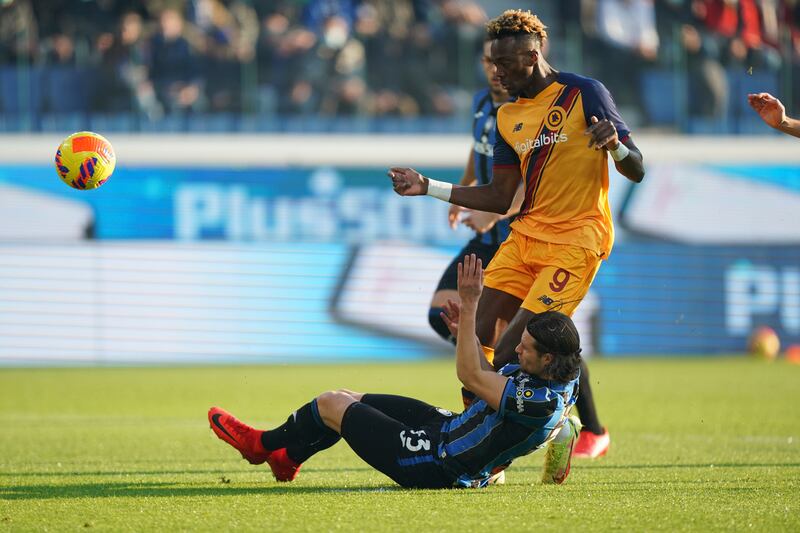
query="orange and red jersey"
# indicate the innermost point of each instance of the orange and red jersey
(566, 182)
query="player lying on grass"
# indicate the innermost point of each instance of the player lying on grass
(521, 408)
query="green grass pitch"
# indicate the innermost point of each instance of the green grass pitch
(697, 444)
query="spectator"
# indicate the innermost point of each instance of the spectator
(230, 31)
(174, 65)
(343, 86)
(124, 82)
(18, 32)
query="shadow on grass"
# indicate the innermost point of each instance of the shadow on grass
(165, 489)
(188, 472)
(597, 466)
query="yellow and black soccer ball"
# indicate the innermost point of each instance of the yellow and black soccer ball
(85, 160)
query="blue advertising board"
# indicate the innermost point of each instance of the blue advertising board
(650, 297)
(671, 299)
(264, 204)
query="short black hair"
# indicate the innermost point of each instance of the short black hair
(556, 334)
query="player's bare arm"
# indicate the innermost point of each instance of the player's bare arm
(469, 357)
(467, 179)
(603, 136)
(482, 222)
(495, 197)
(773, 113)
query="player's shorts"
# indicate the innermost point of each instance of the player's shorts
(545, 276)
(398, 436)
(482, 250)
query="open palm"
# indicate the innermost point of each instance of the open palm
(769, 108)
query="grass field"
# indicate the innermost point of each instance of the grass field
(697, 444)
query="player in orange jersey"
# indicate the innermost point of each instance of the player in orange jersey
(557, 136)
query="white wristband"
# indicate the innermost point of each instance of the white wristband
(439, 189)
(620, 153)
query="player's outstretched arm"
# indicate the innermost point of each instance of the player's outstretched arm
(495, 197)
(773, 113)
(469, 368)
(627, 158)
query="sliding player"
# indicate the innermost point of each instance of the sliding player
(522, 408)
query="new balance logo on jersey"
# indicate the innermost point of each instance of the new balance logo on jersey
(543, 140)
(517, 127)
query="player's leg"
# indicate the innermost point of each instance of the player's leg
(409, 411)
(312, 428)
(505, 350)
(496, 309)
(507, 280)
(447, 289)
(405, 453)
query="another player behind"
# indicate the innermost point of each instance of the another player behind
(556, 137)
(491, 229)
(521, 409)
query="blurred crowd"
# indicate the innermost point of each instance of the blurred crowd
(712, 51)
(403, 58)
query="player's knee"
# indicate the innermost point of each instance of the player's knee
(333, 401)
(327, 400)
(437, 323)
(353, 394)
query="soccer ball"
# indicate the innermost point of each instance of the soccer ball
(85, 160)
(764, 343)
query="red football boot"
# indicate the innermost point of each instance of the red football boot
(283, 467)
(246, 439)
(591, 445)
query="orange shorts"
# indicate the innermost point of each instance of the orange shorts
(544, 275)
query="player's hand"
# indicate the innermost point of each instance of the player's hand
(452, 215)
(481, 221)
(408, 182)
(603, 134)
(450, 315)
(470, 280)
(769, 108)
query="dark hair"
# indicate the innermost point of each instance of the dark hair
(556, 334)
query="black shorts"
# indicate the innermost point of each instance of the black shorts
(484, 251)
(398, 436)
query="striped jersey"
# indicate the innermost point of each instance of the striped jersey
(532, 410)
(484, 112)
(566, 182)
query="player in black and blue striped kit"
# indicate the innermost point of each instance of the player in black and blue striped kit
(520, 409)
(491, 229)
